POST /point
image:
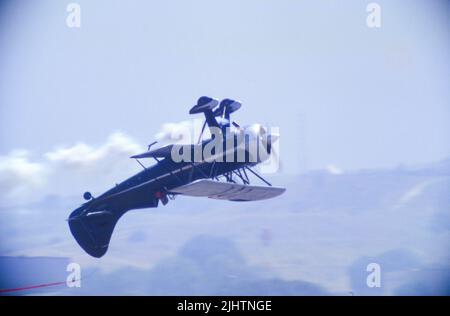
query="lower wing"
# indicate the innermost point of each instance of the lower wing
(228, 191)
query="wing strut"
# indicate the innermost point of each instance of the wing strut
(259, 177)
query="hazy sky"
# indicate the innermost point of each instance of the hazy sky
(341, 93)
(75, 103)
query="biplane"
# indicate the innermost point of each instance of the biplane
(223, 173)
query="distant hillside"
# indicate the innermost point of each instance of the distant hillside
(316, 238)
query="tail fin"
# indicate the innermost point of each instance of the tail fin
(93, 230)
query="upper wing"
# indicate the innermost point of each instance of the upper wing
(227, 191)
(162, 152)
(166, 151)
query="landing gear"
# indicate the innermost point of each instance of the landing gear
(162, 197)
(241, 174)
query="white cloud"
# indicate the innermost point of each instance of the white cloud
(19, 176)
(71, 170)
(83, 167)
(184, 132)
(82, 155)
(67, 170)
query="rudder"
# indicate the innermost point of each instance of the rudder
(93, 230)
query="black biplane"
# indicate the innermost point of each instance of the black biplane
(223, 173)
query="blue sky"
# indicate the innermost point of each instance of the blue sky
(76, 103)
(341, 93)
